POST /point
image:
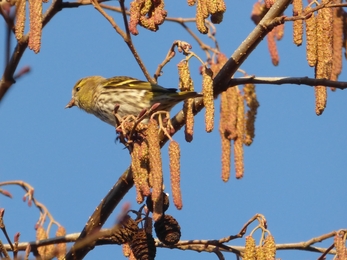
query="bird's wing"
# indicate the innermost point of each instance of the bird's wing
(132, 83)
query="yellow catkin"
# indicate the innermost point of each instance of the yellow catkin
(175, 175)
(155, 168)
(340, 245)
(61, 247)
(298, 25)
(250, 250)
(279, 32)
(212, 6)
(238, 143)
(41, 234)
(201, 15)
(35, 14)
(324, 55)
(20, 18)
(207, 90)
(253, 104)
(186, 84)
(321, 99)
(225, 131)
(337, 42)
(126, 249)
(260, 253)
(269, 248)
(191, 2)
(311, 39)
(147, 5)
(226, 156)
(271, 42)
(230, 124)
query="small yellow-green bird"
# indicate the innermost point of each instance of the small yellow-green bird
(98, 96)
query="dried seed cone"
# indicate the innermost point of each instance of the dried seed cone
(207, 90)
(35, 14)
(253, 104)
(175, 173)
(20, 18)
(143, 246)
(311, 39)
(269, 248)
(125, 232)
(298, 25)
(250, 250)
(166, 202)
(61, 247)
(168, 230)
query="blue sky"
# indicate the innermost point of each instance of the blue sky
(294, 171)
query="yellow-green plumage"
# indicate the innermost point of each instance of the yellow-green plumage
(98, 96)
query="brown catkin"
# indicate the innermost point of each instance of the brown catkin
(135, 15)
(238, 143)
(155, 167)
(61, 247)
(311, 39)
(321, 99)
(207, 90)
(253, 104)
(20, 18)
(175, 175)
(271, 42)
(135, 168)
(269, 248)
(250, 250)
(35, 14)
(298, 25)
(144, 168)
(189, 117)
(337, 42)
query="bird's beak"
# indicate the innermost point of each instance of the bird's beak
(71, 103)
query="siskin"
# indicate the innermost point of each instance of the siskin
(98, 96)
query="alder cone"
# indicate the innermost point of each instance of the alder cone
(168, 230)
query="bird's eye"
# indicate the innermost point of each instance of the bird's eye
(78, 89)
